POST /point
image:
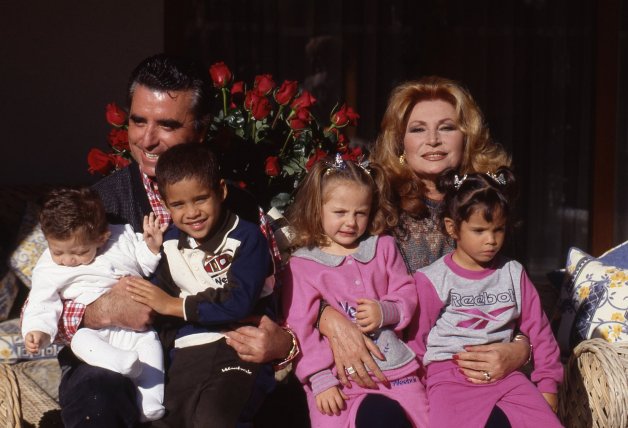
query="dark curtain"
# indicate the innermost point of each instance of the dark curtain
(528, 63)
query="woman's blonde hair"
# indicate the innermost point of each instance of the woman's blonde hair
(480, 154)
(306, 212)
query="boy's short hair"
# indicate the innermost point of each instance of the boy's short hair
(187, 161)
(69, 211)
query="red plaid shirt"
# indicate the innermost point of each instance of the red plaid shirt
(70, 321)
(152, 191)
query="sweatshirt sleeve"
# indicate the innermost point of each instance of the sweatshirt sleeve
(548, 371)
(44, 305)
(401, 291)
(250, 267)
(301, 302)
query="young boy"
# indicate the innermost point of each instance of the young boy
(85, 257)
(217, 265)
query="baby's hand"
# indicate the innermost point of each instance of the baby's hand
(331, 401)
(153, 232)
(369, 315)
(552, 400)
(35, 340)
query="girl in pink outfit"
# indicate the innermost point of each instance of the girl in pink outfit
(339, 212)
(475, 296)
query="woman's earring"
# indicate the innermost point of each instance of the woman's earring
(402, 159)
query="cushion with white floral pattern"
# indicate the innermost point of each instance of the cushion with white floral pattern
(593, 301)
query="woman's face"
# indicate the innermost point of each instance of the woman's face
(433, 140)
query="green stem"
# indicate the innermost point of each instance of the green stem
(284, 144)
(276, 117)
(224, 101)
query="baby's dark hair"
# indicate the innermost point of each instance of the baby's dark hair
(69, 211)
(489, 193)
(306, 212)
(187, 161)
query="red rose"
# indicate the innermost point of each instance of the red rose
(115, 115)
(237, 88)
(264, 84)
(119, 162)
(99, 161)
(272, 166)
(220, 74)
(119, 139)
(318, 154)
(353, 154)
(341, 143)
(300, 119)
(258, 105)
(286, 91)
(304, 100)
(345, 116)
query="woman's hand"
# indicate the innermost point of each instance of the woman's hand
(352, 350)
(497, 360)
(261, 344)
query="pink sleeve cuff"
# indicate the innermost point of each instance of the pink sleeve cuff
(547, 385)
(322, 381)
(390, 313)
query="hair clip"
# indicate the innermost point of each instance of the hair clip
(458, 181)
(500, 179)
(365, 166)
(338, 164)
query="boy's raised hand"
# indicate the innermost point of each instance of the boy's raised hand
(154, 232)
(331, 401)
(35, 340)
(369, 315)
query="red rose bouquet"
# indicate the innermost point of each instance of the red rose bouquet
(264, 134)
(266, 137)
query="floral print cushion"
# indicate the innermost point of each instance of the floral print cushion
(9, 285)
(594, 301)
(31, 245)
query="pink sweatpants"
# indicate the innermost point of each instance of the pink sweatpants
(455, 402)
(408, 391)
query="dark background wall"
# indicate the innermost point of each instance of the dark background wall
(62, 62)
(550, 77)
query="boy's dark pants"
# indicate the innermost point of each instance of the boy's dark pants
(206, 386)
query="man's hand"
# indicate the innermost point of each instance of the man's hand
(552, 400)
(331, 401)
(497, 359)
(35, 340)
(117, 308)
(261, 344)
(352, 350)
(153, 232)
(369, 315)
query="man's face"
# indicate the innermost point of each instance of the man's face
(159, 120)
